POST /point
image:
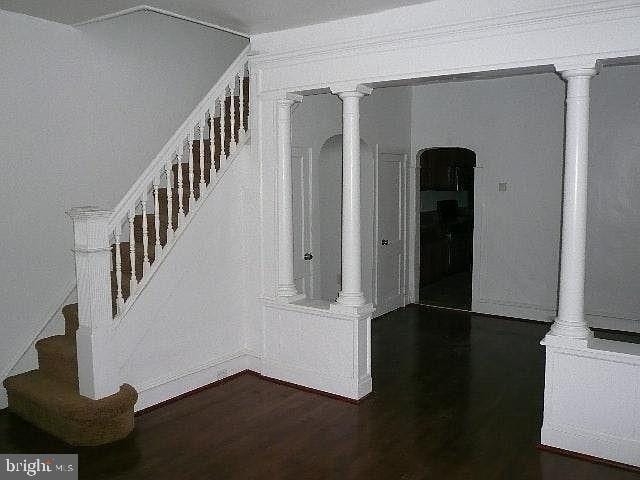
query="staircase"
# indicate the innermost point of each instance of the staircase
(48, 397)
(76, 394)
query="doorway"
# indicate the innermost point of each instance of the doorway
(446, 226)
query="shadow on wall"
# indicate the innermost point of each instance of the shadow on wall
(329, 216)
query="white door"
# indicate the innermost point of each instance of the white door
(389, 232)
(304, 263)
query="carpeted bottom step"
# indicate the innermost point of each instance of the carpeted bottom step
(57, 359)
(56, 408)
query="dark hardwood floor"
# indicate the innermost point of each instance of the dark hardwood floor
(451, 291)
(456, 396)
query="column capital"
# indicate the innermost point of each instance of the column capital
(584, 67)
(288, 99)
(350, 90)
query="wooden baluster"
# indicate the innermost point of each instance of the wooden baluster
(132, 251)
(180, 192)
(192, 198)
(119, 297)
(169, 171)
(156, 218)
(223, 153)
(214, 134)
(232, 117)
(245, 108)
(202, 126)
(241, 129)
(145, 236)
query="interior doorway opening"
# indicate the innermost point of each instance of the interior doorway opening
(446, 201)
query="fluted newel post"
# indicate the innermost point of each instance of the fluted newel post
(286, 287)
(570, 323)
(351, 295)
(96, 366)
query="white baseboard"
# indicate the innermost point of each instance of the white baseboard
(625, 323)
(342, 386)
(540, 313)
(503, 308)
(622, 450)
(165, 388)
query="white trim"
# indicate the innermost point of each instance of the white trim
(541, 19)
(506, 308)
(336, 385)
(225, 166)
(596, 444)
(170, 386)
(169, 13)
(542, 313)
(613, 321)
(383, 309)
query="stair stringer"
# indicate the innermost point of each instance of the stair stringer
(186, 327)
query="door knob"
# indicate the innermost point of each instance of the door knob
(308, 256)
(385, 241)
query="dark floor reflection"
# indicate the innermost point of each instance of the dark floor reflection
(456, 396)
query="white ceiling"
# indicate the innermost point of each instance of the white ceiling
(249, 16)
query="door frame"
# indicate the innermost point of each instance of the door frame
(403, 225)
(299, 152)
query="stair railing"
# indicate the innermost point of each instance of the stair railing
(117, 252)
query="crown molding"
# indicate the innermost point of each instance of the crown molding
(538, 20)
(168, 13)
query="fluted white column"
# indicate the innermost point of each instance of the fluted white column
(351, 294)
(286, 288)
(570, 322)
(96, 365)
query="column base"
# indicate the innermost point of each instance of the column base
(552, 339)
(290, 298)
(358, 310)
(566, 333)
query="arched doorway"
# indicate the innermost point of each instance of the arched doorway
(446, 202)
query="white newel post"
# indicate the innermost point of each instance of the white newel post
(570, 324)
(93, 274)
(287, 290)
(351, 296)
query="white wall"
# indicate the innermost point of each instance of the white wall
(187, 327)
(515, 127)
(84, 112)
(44, 143)
(384, 120)
(613, 215)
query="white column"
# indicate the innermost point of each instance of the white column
(96, 366)
(351, 296)
(287, 290)
(570, 323)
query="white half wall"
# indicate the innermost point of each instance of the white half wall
(84, 112)
(591, 398)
